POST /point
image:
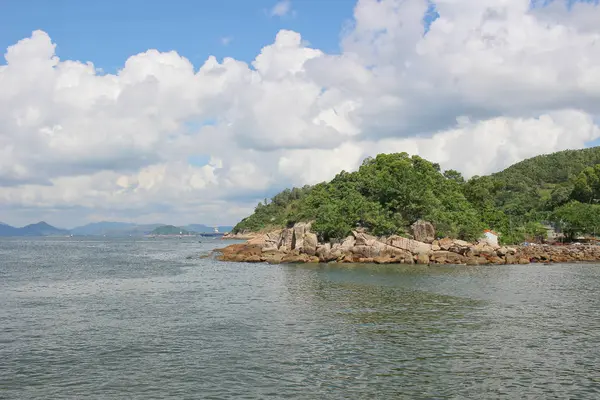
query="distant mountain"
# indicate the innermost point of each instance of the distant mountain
(201, 228)
(39, 229)
(101, 228)
(42, 229)
(113, 229)
(170, 230)
(7, 230)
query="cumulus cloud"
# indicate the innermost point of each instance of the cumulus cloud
(488, 84)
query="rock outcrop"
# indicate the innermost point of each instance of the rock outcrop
(423, 231)
(299, 245)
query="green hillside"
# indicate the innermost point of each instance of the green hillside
(170, 230)
(390, 192)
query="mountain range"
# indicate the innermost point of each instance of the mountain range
(113, 229)
(39, 229)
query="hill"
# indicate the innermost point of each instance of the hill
(201, 228)
(168, 230)
(114, 229)
(390, 192)
(130, 229)
(7, 230)
(42, 229)
(38, 229)
(101, 228)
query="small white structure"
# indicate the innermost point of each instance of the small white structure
(490, 237)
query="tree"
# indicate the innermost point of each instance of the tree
(586, 188)
(577, 218)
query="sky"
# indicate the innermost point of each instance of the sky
(193, 111)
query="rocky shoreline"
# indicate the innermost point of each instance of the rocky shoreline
(299, 245)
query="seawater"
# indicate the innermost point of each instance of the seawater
(149, 319)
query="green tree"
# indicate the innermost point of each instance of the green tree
(577, 218)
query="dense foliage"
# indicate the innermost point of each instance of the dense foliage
(390, 192)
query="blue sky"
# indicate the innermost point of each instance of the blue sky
(108, 32)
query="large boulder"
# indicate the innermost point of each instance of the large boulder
(410, 245)
(445, 243)
(325, 253)
(347, 245)
(310, 243)
(286, 241)
(423, 231)
(272, 241)
(300, 229)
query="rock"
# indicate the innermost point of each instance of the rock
(324, 252)
(286, 240)
(273, 239)
(422, 258)
(268, 248)
(472, 260)
(239, 236)
(423, 231)
(496, 260)
(259, 240)
(447, 257)
(461, 247)
(298, 239)
(347, 244)
(385, 260)
(362, 239)
(240, 253)
(408, 244)
(272, 257)
(310, 244)
(435, 247)
(299, 259)
(445, 243)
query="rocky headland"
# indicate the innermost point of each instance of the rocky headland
(299, 245)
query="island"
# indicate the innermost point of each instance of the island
(171, 230)
(398, 208)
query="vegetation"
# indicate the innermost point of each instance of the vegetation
(170, 230)
(390, 192)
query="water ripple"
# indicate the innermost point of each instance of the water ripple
(140, 319)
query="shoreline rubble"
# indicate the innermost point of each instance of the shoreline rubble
(299, 245)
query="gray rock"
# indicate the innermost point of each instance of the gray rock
(423, 231)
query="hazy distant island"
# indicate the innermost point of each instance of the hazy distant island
(108, 229)
(170, 230)
(398, 208)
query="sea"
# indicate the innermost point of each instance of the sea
(140, 318)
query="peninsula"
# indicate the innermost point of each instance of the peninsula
(402, 209)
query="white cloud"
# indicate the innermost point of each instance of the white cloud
(281, 9)
(226, 40)
(491, 83)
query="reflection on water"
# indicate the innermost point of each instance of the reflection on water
(138, 319)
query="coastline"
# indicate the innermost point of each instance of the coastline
(299, 245)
